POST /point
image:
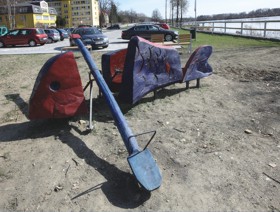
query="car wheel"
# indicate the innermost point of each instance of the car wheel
(32, 43)
(61, 39)
(50, 40)
(2, 44)
(168, 37)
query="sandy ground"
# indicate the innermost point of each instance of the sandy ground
(217, 146)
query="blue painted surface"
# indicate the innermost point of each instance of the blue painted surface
(147, 68)
(143, 165)
(145, 169)
(197, 66)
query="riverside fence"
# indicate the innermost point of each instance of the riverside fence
(253, 28)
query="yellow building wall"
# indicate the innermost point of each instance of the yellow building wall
(30, 20)
(71, 10)
(67, 12)
(43, 20)
(3, 21)
(76, 12)
(22, 21)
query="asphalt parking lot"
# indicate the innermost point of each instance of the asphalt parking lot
(114, 38)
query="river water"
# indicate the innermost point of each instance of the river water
(247, 26)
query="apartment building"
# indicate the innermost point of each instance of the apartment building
(39, 13)
(77, 12)
(23, 15)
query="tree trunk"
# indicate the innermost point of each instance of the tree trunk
(177, 12)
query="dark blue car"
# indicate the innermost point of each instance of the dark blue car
(63, 34)
(90, 36)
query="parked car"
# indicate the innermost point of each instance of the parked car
(30, 36)
(84, 25)
(63, 34)
(69, 30)
(53, 35)
(163, 25)
(145, 31)
(3, 30)
(90, 36)
(114, 26)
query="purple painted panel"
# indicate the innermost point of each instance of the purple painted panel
(197, 66)
(148, 66)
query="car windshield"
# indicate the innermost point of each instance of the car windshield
(86, 31)
(40, 31)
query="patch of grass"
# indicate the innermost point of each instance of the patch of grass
(221, 42)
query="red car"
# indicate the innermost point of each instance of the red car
(164, 25)
(27, 36)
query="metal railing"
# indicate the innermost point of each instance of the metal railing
(254, 28)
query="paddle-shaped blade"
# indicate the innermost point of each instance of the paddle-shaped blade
(147, 175)
(145, 170)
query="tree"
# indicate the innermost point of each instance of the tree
(172, 11)
(60, 22)
(184, 7)
(104, 8)
(156, 16)
(165, 11)
(132, 15)
(180, 7)
(113, 17)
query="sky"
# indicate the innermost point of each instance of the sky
(203, 7)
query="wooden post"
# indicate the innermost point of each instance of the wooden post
(264, 30)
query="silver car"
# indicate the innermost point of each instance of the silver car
(53, 35)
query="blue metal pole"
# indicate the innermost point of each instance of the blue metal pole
(142, 162)
(125, 131)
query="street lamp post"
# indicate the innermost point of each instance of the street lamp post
(9, 14)
(165, 11)
(195, 12)
(14, 16)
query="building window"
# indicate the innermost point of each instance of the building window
(38, 17)
(23, 9)
(23, 18)
(36, 10)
